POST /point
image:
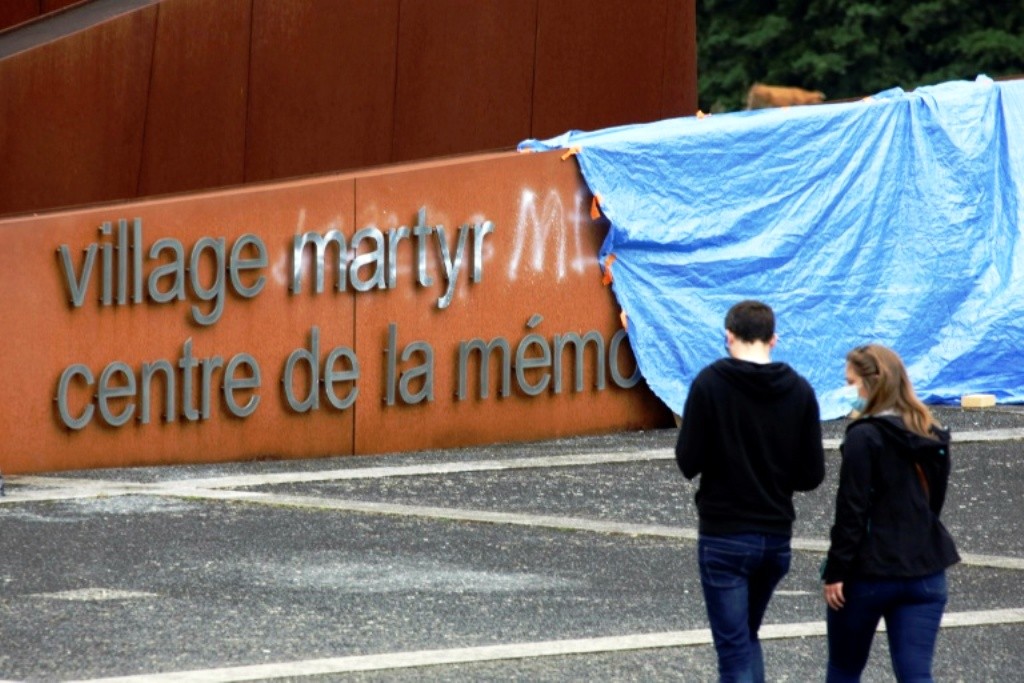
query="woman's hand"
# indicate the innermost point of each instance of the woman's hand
(834, 595)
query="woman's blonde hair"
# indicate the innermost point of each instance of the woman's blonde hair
(888, 387)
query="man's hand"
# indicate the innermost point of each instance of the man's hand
(834, 595)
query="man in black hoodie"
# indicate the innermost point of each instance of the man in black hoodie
(751, 430)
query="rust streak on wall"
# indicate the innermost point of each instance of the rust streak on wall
(195, 113)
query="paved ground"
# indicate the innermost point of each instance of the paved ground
(569, 560)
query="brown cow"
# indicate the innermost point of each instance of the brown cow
(761, 96)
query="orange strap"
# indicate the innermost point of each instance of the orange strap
(924, 482)
(595, 209)
(608, 261)
(572, 151)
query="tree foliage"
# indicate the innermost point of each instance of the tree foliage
(850, 49)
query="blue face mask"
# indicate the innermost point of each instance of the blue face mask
(855, 400)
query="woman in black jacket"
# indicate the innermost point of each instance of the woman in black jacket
(889, 550)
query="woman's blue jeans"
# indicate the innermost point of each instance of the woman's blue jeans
(738, 573)
(912, 609)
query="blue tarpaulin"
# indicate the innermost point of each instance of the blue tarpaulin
(896, 220)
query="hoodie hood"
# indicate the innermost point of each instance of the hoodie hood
(908, 444)
(757, 379)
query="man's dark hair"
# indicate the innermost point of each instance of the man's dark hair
(751, 321)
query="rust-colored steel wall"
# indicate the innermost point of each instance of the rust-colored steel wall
(679, 88)
(72, 113)
(601, 64)
(464, 75)
(192, 94)
(14, 12)
(205, 295)
(322, 86)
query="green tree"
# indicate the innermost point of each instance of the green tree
(850, 49)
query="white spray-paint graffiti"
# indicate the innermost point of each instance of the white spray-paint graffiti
(547, 235)
(282, 267)
(544, 229)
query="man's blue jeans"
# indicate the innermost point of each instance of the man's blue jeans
(738, 573)
(912, 609)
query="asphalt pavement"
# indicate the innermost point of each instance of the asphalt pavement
(567, 560)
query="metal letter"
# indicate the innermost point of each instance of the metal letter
(394, 237)
(425, 370)
(187, 364)
(209, 365)
(375, 257)
(77, 285)
(466, 347)
(62, 396)
(105, 392)
(419, 231)
(176, 268)
(331, 376)
(310, 357)
(216, 291)
(237, 263)
(523, 364)
(320, 243)
(149, 370)
(480, 231)
(232, 384)
(613, 363)
(579, 344)
(451, 266)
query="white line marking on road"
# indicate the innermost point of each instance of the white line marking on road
(93, 595)
(221, 488)
(186, 489)
(450, 514)
(491, 653)
(558, 522)
(432, 469)
(69, 487)
(983, 435)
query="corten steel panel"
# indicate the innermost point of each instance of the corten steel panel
(195, 120)
(538, 267)
(679, 88)
(14, 12)
(322, 86)
(600, 63)
(45, 334)
(465, 76)
(71, 116)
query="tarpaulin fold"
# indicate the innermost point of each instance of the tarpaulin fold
(895, 220)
